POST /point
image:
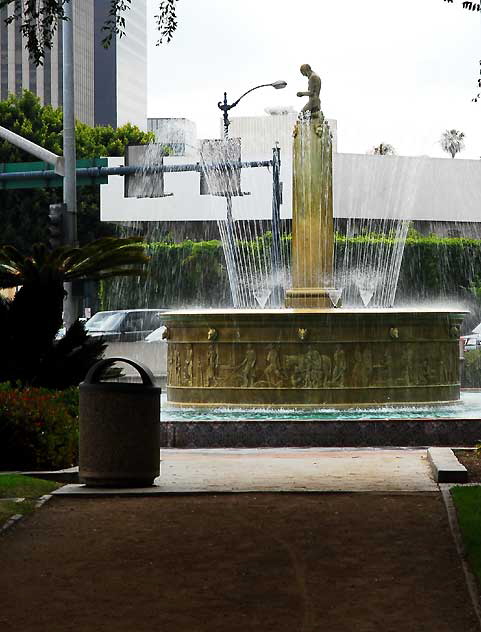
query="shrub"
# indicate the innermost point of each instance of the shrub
(472, 369)
(38, 428)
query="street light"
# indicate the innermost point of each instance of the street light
(225, 107)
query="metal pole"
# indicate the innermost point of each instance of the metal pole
(225, 108)
(34, 149)
(70, 177)
(276, 224)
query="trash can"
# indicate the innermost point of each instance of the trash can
(119, 424)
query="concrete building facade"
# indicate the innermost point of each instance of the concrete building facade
(110, 84)
(179, 134)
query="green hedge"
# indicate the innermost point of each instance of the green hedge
(194, 273)
(38, 428)
(472, 369)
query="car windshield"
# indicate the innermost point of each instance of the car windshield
(104, 321)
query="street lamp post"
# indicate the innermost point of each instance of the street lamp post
(225, 107)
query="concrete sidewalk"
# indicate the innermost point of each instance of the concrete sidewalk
(284, 470)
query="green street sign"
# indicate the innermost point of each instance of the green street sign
(48, 183)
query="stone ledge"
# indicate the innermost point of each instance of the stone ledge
(446, 467)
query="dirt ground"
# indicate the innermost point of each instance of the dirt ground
(472, 462)
(235, 562)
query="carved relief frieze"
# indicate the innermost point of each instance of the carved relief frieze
(309, 365)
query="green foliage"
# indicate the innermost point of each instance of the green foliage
(43, 125)
(29, 322)
(468, 506)
(19, 486)
(38, 428)
(191, 272)
(179, 274)
(472, 369)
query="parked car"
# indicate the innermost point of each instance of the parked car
(473, 340)
(126, 325)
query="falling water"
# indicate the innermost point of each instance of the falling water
(368, 252)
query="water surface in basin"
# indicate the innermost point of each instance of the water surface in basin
(468, 408)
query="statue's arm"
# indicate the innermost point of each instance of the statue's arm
(305, 94)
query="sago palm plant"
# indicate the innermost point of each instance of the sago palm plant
(29, 322)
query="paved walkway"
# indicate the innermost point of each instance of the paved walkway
(289, 470)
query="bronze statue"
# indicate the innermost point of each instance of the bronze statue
(313, 106)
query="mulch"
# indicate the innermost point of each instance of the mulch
(472, 462)
(235, 562)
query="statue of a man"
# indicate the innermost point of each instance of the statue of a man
(313, 89)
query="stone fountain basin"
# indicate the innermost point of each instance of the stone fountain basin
(310, 358)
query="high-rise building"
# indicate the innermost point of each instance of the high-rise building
(110, 84)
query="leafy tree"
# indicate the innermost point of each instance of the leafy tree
(30, 321)
(23, 212)
(452, 141)
(39, 21)
(383, 149)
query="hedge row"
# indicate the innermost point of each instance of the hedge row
(194, 273)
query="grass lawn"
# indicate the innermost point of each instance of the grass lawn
(468, 506)
(17, 486)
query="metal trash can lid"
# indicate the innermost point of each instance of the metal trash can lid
(92, 379)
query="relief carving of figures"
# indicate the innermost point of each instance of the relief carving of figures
(443, 373)
(199, 373)
(314, 375)
(212, 365)
(170, 366)
(272, 371)
(295, 368)
(247, 367)
(406, 371)
(177, 367)
(357, 369)
(339, 368)
(367, 367)
(189, 367)
(425, 372)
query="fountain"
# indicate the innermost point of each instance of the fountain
(312, 353)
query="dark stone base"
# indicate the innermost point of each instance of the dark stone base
(308, 434)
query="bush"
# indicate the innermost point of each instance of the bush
(472, 369)
(38, 428)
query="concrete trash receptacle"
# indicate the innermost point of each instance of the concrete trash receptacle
(119, 424)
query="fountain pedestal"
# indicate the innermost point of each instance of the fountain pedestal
(312, 216)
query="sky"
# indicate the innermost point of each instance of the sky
(393, 71)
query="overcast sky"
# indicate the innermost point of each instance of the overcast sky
(392, 71)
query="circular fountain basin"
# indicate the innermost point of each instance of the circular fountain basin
(312, 358)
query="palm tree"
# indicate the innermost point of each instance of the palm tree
(383, 149)
(29, 322)
(452, 141)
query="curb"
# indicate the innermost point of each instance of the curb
(17, 517)
(445, 466)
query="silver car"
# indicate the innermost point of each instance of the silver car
(125, 325)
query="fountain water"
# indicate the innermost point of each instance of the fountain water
(310, 354)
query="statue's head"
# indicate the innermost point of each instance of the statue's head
(306, 70)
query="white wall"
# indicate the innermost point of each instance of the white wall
(434, 189)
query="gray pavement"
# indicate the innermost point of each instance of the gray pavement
(284, 470)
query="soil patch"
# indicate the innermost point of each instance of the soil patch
(472, 462)
(235, 562)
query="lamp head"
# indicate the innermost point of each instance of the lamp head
(278, 85)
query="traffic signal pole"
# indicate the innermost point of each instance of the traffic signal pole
(70, 176)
